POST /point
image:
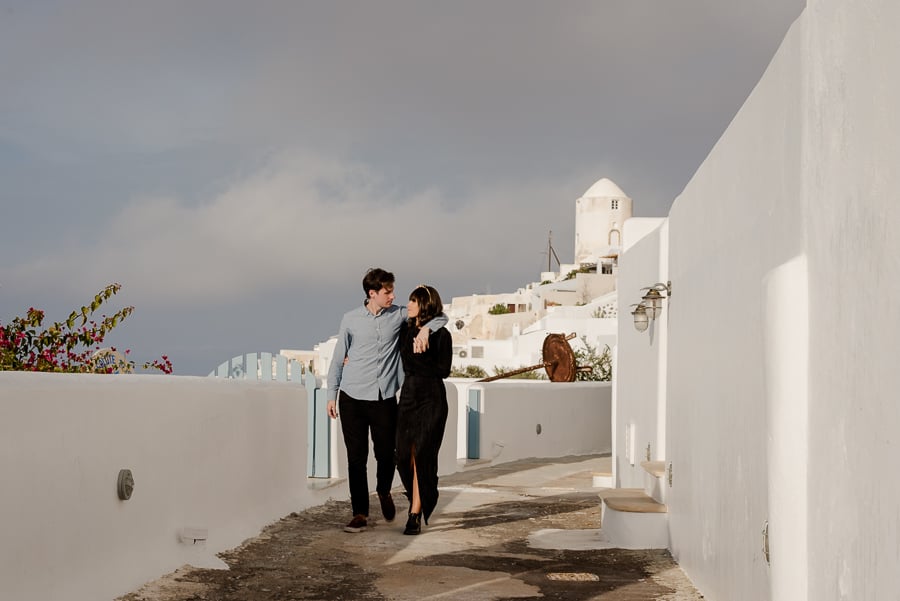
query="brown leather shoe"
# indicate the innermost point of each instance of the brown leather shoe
(357, 524)
(387, 507)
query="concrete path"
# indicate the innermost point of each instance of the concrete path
(523, 530)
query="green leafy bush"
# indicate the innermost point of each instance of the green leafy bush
(469, 371)
(499, 309)
(599, 362)
(536, 374)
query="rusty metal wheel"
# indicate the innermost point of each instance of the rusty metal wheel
(559, 358)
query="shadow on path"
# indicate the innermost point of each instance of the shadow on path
(480, 545)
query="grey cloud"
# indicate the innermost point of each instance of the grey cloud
(150, 143)
(309, 218)
(331, 74)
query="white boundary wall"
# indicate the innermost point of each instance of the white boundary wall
(226, 456)
(570, 419)
(780, 383)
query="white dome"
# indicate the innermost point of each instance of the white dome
(604, 188)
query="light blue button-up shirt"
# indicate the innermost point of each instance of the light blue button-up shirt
(369, 341)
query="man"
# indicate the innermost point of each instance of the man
(364, 377)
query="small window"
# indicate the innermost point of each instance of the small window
(478, 352)
(607, 268)
(614, 204)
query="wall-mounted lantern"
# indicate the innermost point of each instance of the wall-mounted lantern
(641, 320)
(650, 306)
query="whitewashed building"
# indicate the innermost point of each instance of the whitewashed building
(579, 298)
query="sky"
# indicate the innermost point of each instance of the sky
(238, 166)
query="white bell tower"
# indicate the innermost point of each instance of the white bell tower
(599, 216)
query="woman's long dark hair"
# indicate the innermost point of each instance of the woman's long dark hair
(429, 302)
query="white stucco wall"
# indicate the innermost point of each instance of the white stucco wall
(637, 227)
(639, 423)
(737, 220)
(574, 419)
(225, 455)
(780, 378)
(851, 153)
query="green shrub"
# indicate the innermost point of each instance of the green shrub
(469, 371)
(599, 362)
(536, 374)
(499, 309)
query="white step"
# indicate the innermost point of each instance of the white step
(603, 479)
(631, 519)
(655, 481)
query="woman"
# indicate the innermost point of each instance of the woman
(422, 412)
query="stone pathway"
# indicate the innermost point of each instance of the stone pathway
(522, 530)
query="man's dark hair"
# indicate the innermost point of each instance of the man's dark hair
(429, 302)
(376, 279)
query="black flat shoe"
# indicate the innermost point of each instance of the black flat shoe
(414, 524)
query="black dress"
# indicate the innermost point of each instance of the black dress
(422, 412)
